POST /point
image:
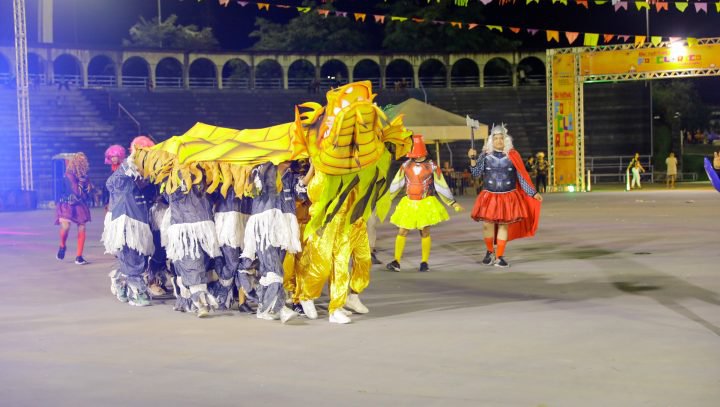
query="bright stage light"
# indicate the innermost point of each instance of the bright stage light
(571, 188)
(677, 49)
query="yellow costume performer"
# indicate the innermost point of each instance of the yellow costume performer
(419, 209)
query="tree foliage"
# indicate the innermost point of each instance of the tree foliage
(170, 34)
(311, 32)
(679, 101)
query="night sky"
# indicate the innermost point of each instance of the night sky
(104, 23)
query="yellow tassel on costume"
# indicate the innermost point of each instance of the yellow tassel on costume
(399, 247)
(425, 244)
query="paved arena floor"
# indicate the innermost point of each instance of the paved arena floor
(615, 302)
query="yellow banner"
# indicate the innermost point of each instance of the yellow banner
(673, 58)
(563, 99)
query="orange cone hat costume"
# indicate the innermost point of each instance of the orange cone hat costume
(423, 183)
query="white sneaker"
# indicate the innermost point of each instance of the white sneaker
(309, 308)
(287, 314)
(338, 317)
(346, 312)
(354, 304)
(267, 316)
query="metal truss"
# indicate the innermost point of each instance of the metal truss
(615, 47)
(550, 123)
(639, 76)
(23, 96)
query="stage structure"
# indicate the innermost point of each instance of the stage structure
(23, 96)
(570, 68)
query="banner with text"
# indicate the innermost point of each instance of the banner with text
(563, 117)
(672, 58)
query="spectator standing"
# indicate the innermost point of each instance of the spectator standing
(671, 163)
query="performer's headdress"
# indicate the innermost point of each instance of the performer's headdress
(141, 141)
(418, 148)
(114, 150)
(540, 154)
(498, 129)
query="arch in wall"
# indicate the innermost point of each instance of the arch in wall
(68, 69)
(300, 74)
(497, 72)
(169, 73)
(533, 71)
(236, 74)
(268, 75)
(101, 71)
(432, 74)
(399, 73)
(202, 74)
(465, 73)
(367, 70)
(135, 72)
(333, 73)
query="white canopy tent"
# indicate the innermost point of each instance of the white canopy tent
(435, 124)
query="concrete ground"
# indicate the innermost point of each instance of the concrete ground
(615, 302)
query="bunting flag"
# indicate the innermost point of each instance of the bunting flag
(591, 39)
(674, 39)
(681, 6)
(621, 4)
(600, 2)
(661, 5)
(692, 42)
(642, 5)
(583, 3)
(571, 36)
(486, 2)
(530, 1)
(552, 35)
(717, 6)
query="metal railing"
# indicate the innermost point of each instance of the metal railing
(614, 168)
(135, 81)
(122, 109)
(236, 83)
(196, 82)
(108, 81)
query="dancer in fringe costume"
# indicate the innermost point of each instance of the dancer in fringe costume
(127, 233)
(271, 232)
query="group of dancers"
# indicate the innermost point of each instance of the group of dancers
(217, 251)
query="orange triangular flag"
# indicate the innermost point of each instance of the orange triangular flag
(323, 13)
(552, 35)
(639, 40)
(608, 37)
(571, 36)
(379, 19)
(661, 5)
(265, 6)
(583, 3)
(514, 29)
(360, 17)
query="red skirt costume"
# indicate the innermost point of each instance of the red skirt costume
(72, 206)
(515, 208)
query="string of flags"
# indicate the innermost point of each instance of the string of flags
(652, 5)
(588, 39)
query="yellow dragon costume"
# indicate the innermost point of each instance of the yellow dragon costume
(345, 141)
